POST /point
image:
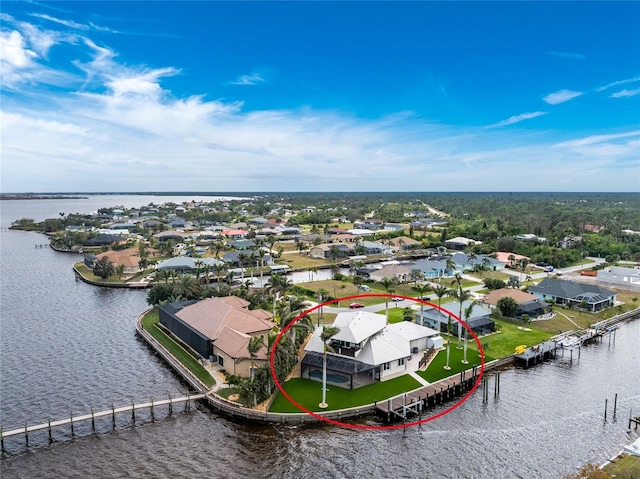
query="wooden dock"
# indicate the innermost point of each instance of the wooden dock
(72, 420)
(414, 402)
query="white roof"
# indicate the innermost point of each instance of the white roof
(356, 326)
(412, 331)
(385, 347)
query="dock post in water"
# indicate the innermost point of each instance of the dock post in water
(113, 415)
(2, 437)
(26, 434)
(170, 405)
(615, 405)
(133, 412)
(71, 422)
(49, 427)
(93, 422)
(153, 417)
(605, 410)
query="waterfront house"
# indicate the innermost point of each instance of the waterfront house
(528, 304)
(366, 349)
(323, 251)
(400, 272)
(219, 329)
(104, 240)
(433, 268)
(465, 263)
(588, 296)
(404, 243)
(129, 258)
(620, 275)
(185, 264)
(479, 320)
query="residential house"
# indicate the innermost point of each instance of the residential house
(324, 250)
(404, 243)
(464, 262)
(395, 227)
(569, 242)
(129, 258)
(186, 264)
(620, 275)
(171, 236)
(400, 272)
(235, 234)
(528, 304)
(365, 350)
(531, 238)
(588, 296)
(434, 268)
(219, 329)
(479, 320)
(104, 240)
(460, 243)
(372, 247)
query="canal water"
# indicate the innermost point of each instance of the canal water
(67, 347)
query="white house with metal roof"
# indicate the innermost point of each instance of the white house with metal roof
(365, 350)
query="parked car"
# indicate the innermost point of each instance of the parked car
(548, 269)
(364, 287)
(397, 299)
(356, 305)
(425, 298)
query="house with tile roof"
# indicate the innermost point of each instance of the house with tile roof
(220, 329)
(365, 350)
(588, 296)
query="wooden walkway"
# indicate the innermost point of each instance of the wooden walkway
(132, 408)
(415, 401)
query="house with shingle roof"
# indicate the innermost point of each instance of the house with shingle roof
(589, 296)
(220, 329)
(528, 304)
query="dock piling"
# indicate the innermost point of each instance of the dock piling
(133, 412)
(71, 422)
(93, 421)
(113, 416)
(615, 406)
(26, 434)
(605, 410)
(49, 427)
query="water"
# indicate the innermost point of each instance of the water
(67, 346)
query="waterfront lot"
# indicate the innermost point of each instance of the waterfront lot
(309, 394)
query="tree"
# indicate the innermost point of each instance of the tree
(461, 295)
(334, 252)
(440, 291)
(119, 270)
(103, 268)
(514, 282)
(187, 287)
(416, 275)
(467, 314)
(327, 333)
(387, 283)
(407, 314)
(446, 366)
(256, 343)
(507, 306)
(422, 289)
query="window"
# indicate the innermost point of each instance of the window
(220, 360)
(386, 366)
(401, 362)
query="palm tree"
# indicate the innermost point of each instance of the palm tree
(460, 295)
(422, 289)
(255, 344)
(387, 283)
(472, 257)
(187, 287)
(327, 333)
(440, 291)
(291, 311)
(447, 367)
(119, 269)
(450, 265)
(467, 314)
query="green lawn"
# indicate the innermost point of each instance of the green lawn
(150, 324)
(436, 370)
(504, 343)
(309, 394)
(624, 467)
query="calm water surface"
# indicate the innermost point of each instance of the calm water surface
(66, 346)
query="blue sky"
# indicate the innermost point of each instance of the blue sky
(328, 96)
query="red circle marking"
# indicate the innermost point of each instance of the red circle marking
(361, 426)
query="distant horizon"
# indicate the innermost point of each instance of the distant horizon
(227, 193)
(324, 96)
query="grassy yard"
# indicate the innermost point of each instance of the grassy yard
(301, 260)
(499, 345)
(436, 371)
(624, 467)
(88, 274)
(309, 394)
(150, 324)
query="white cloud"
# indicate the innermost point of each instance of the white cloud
(575, 56)
(620, 82)
(14, 50)
(251, 79)
(561, 96)
(123, 130)
(625, 93)
(518, 118)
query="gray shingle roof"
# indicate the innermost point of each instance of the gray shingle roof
(561, 288)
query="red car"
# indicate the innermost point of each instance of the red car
(356, 305)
